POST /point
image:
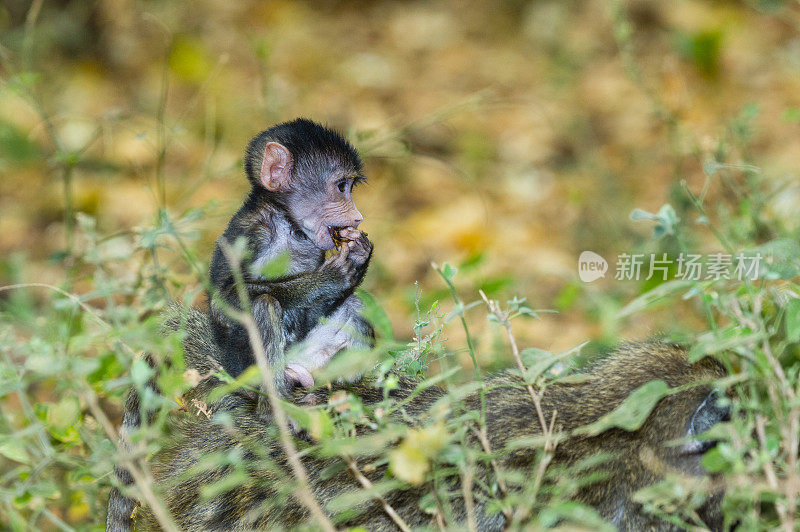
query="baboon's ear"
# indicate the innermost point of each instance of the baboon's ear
(276, 167)
(709, 413)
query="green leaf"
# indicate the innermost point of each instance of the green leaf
(320, 424)
(15, 146)
(573, 512)
(714, 462)
(14, 449)
(347, 364)
(568, 296)
(250, 378)
(575, 378)
(448, 272)
(492, 285)
(317, 423)
(655, 296)
(731, 337)
(633, 412)
(65, 413)
(234, 479)
(534, 371)
(793, 320)
(427, 504)
(538, 361)
(275, 268)
(140, 373)
(409, 464)
(372, 444)
(353, 498)
(332, 470)
(666, 220)
(780, 258)
(376, 315)
(702, 48)
(474, 260)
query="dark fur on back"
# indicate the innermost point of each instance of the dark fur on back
(637, 458)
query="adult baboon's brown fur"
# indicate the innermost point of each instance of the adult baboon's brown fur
(637, 458)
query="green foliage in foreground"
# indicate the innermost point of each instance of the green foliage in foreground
(67, 355)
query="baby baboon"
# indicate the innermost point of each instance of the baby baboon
(300, 204)
(302, 176)
(637, 458)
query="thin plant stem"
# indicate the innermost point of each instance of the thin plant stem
(366, 484)
(467, 477)
(69, 207)
(547, 429)
(303, 491)
(502, 318)
(484, 440)
(161, 138)
(470, 343)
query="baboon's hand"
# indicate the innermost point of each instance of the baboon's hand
(360, 246)
(352, 258)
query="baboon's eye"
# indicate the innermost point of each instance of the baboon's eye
(342, 185)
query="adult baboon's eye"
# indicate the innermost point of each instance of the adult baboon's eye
(341, 185)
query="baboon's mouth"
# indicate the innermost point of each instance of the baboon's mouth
(698, 447)
(336, 235)
(708, 414)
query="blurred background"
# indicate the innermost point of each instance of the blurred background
(501, 137)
